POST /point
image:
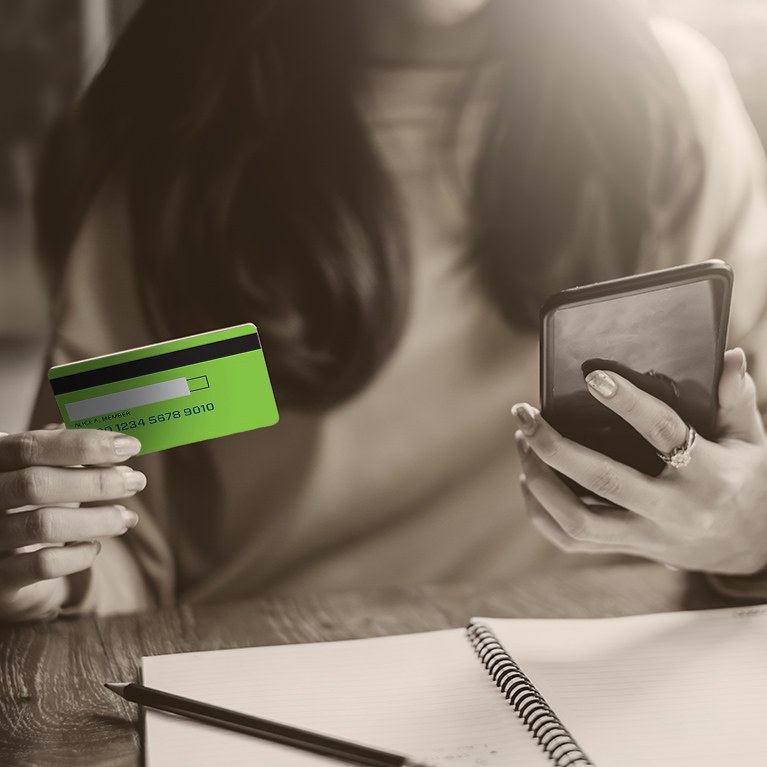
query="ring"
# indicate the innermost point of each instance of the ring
(680, 456)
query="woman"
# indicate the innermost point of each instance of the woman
(388, 190)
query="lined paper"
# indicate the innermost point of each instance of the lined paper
(423, 695)
(670, 689)
(662, 690)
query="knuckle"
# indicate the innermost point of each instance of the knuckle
(101, 483)
(629, 400)
(39, 526)
(106, 483)
(735, 478)
(81, 446)
(47, 524)
(549, 447)
(104, 443)
(94, 445)
(45, 564)
(605, 482)
(33, 484)
(719, 497)
(28, 449)
(708, 523)
(576, 529)
(664, 431)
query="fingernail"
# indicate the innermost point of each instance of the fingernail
(601, 383)
(526, 416)
(743, 365)
(97, 544)
(125, 446)
(135, 481)
(130, 518)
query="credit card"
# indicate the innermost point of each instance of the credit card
(171, 393)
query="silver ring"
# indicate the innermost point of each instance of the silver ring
(680, 456)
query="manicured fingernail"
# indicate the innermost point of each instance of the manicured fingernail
(526, 416)
(601, 383)
(130, 518)
(135, 481)
(125, 446)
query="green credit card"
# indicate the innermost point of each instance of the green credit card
(172, 393)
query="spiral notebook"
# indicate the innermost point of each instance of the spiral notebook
(666, 690)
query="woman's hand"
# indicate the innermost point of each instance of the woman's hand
(45, 537)
(709, 515)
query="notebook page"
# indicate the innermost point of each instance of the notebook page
(663, 690)
(423, 695)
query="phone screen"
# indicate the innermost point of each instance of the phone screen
(668, 339)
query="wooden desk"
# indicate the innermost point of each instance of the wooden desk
(54, 710)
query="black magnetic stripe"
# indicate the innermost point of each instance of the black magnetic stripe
(156, 364)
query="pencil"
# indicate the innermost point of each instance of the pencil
(265, 729)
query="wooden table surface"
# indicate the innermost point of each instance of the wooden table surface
(54, 709)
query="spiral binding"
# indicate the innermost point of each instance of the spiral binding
(555, 740)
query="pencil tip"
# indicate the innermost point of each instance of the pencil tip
(117, 687)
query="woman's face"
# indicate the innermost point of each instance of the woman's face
(440, 12)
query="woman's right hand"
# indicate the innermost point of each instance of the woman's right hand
(45, 537)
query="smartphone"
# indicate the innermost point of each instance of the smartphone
(665, 331)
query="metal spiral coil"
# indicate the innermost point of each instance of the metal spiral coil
(554, 738)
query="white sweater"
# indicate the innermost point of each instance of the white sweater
(416, 478)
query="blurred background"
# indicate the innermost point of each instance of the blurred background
(49, 50)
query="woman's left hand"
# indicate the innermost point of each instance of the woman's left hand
(710, 515)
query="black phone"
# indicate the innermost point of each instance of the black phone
(665, 331)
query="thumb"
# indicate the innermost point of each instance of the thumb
(738, 416)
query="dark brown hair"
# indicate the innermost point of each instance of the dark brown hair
(254, 192)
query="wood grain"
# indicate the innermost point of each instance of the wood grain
(54, 709)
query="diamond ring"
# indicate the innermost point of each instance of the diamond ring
(680, 456)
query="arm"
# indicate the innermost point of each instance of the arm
(134, 571)
(731, 219)
(47, 537)
(124, 575)
(711, 515)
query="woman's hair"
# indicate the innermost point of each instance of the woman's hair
(254, 192)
